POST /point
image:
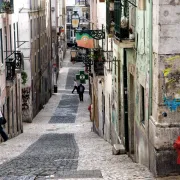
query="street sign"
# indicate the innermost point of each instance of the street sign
(82, 77)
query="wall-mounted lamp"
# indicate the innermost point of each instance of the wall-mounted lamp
(75, 20)
(142, 4)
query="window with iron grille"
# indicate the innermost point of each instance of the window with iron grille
(121, 16)
(109, 17)
(81, 2)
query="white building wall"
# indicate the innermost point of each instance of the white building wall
(24, 35)
(108, 91)
(70, 2)
(6, 20)
(101, 14)
(54, 13)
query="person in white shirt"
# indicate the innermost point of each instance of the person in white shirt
(75, 86)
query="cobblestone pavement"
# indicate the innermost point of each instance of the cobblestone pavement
(56, 147)
(66, 110)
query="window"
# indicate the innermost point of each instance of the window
(17, 34)
(1, 46)
(34, 27)
(10, 38)
(14, 28)
(39, 60)
(30, 4)
(35, 64)
(142, 104)
(31, 28)
(5, 37)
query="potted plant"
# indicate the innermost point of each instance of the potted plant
(131, 34)
(24, 77)
(6, 6)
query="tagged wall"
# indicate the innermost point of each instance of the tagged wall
(171, 82)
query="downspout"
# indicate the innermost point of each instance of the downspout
(150, 70)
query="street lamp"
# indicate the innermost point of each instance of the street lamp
(75, 20)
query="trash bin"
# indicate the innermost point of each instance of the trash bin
(55, 88)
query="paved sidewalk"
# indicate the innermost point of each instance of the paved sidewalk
(59, 143)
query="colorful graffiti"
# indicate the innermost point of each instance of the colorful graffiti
(25, 102)
(172, 104)
(25, 98)
(171, 75)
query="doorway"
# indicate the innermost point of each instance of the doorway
(131, 115)
(103, 111)
(125, 93)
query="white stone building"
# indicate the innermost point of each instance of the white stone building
(10, 69)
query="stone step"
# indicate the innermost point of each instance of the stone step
(118, 149)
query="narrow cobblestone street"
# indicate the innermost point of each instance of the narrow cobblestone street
(59, 143)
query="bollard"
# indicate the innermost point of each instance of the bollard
(55, 88)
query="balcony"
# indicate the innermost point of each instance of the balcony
(13, 62)
(7, 6)
(10, 69)
(121, 17)
(82, 2)
(110, 17)
(99, 68)
(19, 59)
(98, 60)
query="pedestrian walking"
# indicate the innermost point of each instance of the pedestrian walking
(2, 122)
(80, 91)
(75, 86)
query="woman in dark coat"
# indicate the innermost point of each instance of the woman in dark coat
(2, 132)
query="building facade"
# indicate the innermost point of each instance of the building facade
(139, 88)
(11, 61)
(62, 45)
(35, 30)
(82, 7)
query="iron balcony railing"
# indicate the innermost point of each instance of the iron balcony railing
(19, 59)
(121, 17)
(13, 62)
(7, 6)
(10, 69)
(82, 2)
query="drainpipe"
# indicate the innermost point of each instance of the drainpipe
(150, 70)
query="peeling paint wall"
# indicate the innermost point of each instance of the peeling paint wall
(115, 95)
(141, 75)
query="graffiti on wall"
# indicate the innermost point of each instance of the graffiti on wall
(25, 101)
(171, 87)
